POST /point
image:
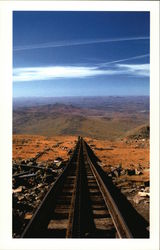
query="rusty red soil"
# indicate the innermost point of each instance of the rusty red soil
(129, 154)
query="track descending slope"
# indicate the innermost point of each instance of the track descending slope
(78, 204)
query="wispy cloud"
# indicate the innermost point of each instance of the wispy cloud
(64, 72)
(76, 43)
(135, 69)
(125, 59)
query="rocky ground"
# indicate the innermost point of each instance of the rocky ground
(127, 162)
(38, 160)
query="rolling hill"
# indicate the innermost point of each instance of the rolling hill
(110, 118)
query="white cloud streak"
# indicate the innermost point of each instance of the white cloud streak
(136, 69)
(46, 73)
(66, 72)
(125, 59)
(76, 43)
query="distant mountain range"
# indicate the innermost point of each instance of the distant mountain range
(97, 117)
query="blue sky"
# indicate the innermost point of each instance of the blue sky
(80, 53)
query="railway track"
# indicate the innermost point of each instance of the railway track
(78, 204)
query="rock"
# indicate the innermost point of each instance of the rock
(123, 172)
(21, 197)
(28, 216)
(143, 194)
(40, 185)
(112, 168)
(58, 159)
(138, 172)
(128, 190)
(30, 163)
(146, 201)
(147, 189)
(18, 190)
(116, 173)
(110, 174)
(58, 164)
(100, 164)
(137, 199)
(30, 190)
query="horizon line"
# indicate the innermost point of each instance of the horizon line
(79, 96)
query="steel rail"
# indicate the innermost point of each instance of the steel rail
(38, 219)
(72, 214)
(77, 224)
(120, 225)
